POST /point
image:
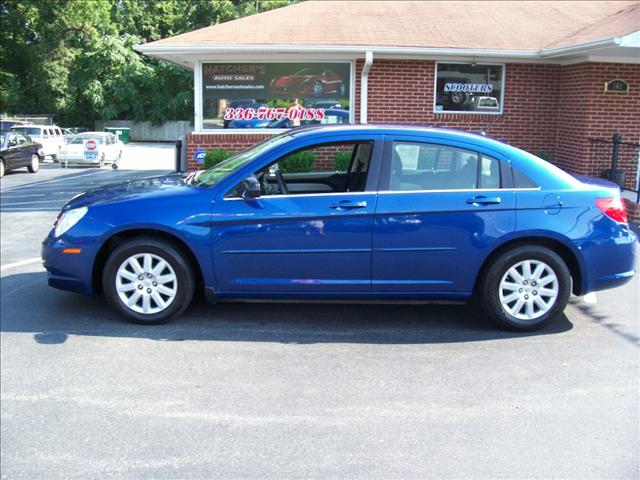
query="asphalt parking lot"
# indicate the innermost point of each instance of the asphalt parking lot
(290, 391)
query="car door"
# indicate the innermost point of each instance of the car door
(24, 149)
(305, 242)
(441, 209)
(11, 155)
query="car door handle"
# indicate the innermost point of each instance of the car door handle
(348, 205)
(483, 200)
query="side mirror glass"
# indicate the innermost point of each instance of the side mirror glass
(250, 187)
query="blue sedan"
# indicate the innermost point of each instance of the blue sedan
(415, 214)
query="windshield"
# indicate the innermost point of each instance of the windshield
(31, 131)
(213, 175)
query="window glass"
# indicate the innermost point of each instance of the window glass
(275, 95)
(469, 87)
(489, 172)
(21, 139)
(520, 180)
(31, 131)
(325, 168)
(422, 166)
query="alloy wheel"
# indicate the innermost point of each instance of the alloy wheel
(529, 289)
(146, 283)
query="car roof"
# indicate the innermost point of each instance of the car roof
(385, 129)
(34, 125)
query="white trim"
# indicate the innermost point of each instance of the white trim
(199, 97)
(460, 190)
(388, 192)
(474, 52)
(364, 86)
(469, 112)
(302, 195)
(580, 47)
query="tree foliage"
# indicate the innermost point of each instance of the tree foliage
(75, 58)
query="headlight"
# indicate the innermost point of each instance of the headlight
(68, 219)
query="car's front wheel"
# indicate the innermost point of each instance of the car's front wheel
(34, 166)
(1, 168)
(525, 288)
(148, 280)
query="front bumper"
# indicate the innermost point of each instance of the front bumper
(70, 270)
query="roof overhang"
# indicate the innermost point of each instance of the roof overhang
(625, 49)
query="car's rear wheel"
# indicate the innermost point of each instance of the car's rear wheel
(148, 280)
(34, 166)
(526, 288)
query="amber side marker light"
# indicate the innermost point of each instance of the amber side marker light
(72, 250)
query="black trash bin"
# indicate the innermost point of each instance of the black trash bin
(616, 175)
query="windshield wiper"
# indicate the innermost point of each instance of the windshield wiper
(192, 177)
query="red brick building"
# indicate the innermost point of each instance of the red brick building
(548, 77)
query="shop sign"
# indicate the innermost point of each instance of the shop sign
(199, 155)
(274, 94)
(468, 88)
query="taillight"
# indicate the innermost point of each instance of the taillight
(614, 208)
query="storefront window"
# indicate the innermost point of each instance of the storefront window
(469, 88)
(275, 95)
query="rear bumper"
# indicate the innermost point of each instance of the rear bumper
(611, 263)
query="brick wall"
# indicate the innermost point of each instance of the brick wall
(585, 111)
(549, 109)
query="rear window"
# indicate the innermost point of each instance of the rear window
(80, 139)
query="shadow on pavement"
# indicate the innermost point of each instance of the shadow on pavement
(53, 315)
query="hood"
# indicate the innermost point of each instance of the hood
(146, 188)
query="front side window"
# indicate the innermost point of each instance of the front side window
(469, 88)
(325, 168)
(424, 166)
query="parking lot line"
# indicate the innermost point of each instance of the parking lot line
(20, 263)
(37, 202)
(54, 180)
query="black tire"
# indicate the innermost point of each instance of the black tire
(170, 254)
(457, 99)
(489, 287)
(35, 164)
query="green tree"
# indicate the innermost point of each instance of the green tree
(75, 58)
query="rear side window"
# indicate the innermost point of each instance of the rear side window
(520, 180)
(422, 166)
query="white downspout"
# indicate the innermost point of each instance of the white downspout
(197, 96)
(364, 85)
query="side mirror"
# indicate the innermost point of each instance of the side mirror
(250, 187)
